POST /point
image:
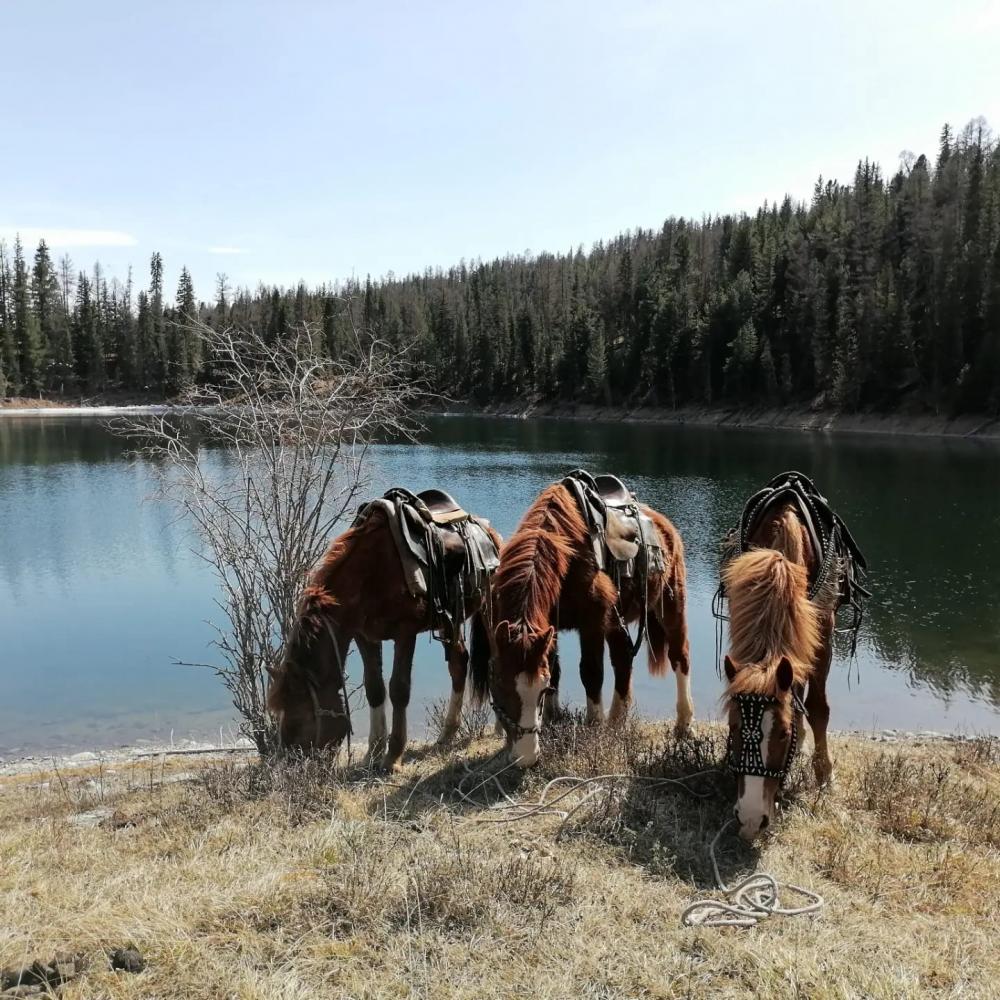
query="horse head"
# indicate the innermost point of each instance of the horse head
(519, 680)
(764, 719)
(305, 691)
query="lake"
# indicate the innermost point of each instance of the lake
(100, 591)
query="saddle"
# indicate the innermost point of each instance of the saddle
(619, 530)
(839, 554)
(625, 541)
(446, 553)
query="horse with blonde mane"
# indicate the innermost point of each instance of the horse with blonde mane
(360, 592)
(549, 580)
(799, 564)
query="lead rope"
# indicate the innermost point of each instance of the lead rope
(749, 901)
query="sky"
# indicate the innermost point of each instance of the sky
(286, 141)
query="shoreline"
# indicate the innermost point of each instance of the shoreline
(39, 763)
(969, 427)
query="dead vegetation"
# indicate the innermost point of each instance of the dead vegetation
(314, 877)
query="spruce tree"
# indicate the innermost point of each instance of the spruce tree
(53, 320)
(27, 332)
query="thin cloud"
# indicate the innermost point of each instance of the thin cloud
(30, 235)
(227, 251)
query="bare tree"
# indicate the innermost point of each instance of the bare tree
(266, 461)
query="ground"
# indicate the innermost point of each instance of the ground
(317, 878)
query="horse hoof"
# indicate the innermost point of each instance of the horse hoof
(392, 765)
(447, 736)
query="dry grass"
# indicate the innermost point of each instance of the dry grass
(317, 879)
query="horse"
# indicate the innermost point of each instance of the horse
(548, 580)
(359, 592)
(791, 565)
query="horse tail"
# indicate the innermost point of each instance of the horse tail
(479, 658)
(656, 645)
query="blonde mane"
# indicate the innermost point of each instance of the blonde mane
(770, 617)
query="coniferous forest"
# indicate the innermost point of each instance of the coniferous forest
(877, 295)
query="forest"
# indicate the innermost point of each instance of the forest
(877, 295)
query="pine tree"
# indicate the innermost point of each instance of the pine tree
(27, 333)
(183, 343)
(53, 319)
(88, 347)
(740, 365)
(9, 359)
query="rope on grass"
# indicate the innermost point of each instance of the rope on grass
(749, 901)
(545, 806)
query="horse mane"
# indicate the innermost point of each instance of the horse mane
(316, 604)
(537, 558)
(770, 617)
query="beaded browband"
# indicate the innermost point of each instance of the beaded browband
(751, 762)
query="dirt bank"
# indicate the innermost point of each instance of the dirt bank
(917, 424)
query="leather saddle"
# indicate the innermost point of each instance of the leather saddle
(446, 553)
(442, 506)
(613, 491)
(612, 515)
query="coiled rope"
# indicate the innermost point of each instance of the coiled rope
(749, 901)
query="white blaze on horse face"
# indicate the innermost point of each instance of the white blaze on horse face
(753, 806)
(524, 751)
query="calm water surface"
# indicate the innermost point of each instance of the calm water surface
(100, 591)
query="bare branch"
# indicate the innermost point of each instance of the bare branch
(266, 460)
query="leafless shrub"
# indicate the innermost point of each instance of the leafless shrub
(475, 720)
(266, 461)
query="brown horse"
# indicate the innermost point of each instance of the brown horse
(548, 580)
(781, 645)
(359, 592)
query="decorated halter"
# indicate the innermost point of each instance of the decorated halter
(751, 761)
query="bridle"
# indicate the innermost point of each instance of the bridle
(751, 761)
(320, 713)
(512, 727)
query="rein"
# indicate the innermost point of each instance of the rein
(751, 761)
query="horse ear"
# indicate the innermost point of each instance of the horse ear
(785, 675)
(730, 669)
(543, 641)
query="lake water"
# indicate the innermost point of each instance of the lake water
(100, 591)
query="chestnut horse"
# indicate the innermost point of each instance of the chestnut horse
(359, 592)
(548, 580)
(781, 646)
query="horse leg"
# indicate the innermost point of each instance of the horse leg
(620, 648)
(399, 695)
(680, 659)
(371, 656)
(550, 710)
(592, 671)
(458, 664)
(818, 708)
